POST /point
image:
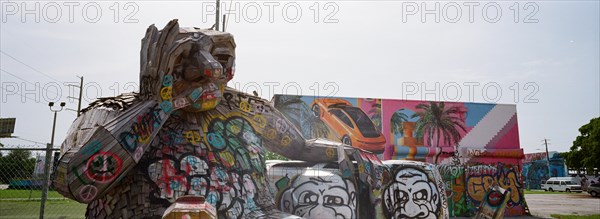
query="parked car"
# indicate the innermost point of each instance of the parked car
(563, 184)
(594, 189)
(349, 124)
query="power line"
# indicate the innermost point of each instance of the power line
(32, 141)
(29, 66)
(37, 85)
(20, 94)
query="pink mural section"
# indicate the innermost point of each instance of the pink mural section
(435, 131)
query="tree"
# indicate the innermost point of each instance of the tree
(437, 121)
(585, 151)
(18, 164)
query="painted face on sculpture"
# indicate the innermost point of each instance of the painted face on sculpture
(320, 197)
(412, 195)
(201, 77)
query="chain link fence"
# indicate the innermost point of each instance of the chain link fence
(22, 181)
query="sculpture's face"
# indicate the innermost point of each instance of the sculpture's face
(316, 197)
(202, 75)
(412, 195)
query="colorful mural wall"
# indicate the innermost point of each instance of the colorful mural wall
(468, 141)
(536, 171)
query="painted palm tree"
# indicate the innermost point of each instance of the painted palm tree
(375, 112)
(396, 121)
(296, 110)
(437, 121)
(289, 105)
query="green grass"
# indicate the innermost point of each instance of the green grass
(31, 209)
(26, 204)
(26, 194)
(562, 216)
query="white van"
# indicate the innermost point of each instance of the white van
(563, 184)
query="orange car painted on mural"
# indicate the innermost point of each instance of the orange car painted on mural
(349, 124)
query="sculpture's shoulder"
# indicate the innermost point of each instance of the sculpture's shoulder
(98, 113)
(245, 102)
(117, 103)
(231, 94)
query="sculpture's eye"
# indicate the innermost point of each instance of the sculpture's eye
(308, 198)
(228, 63)
(421, 195)
(333, 200)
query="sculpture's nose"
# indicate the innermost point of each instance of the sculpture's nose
(203, 66)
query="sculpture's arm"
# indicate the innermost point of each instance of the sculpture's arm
(102, 146)
(278, 133)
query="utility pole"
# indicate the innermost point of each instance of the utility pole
(218, 15)
(547, 157)
(224, 22)
(80, 95)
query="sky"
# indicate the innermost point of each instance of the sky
(542, 56)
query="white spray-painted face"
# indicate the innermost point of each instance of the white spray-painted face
(320, 197)
(412, 195)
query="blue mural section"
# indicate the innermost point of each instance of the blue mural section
(476, 111)
(536, 170)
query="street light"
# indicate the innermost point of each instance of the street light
(47, 161)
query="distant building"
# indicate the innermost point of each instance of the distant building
(536, 171)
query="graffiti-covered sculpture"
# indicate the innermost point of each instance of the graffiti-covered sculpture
(319, 194)
(416, 190)
(185, 133)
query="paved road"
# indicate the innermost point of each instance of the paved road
(542, 206)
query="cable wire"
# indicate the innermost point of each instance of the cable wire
(29, 66)
(37, 85)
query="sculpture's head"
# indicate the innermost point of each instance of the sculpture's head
(186, 64)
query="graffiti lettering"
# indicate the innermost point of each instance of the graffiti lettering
(141, 130)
